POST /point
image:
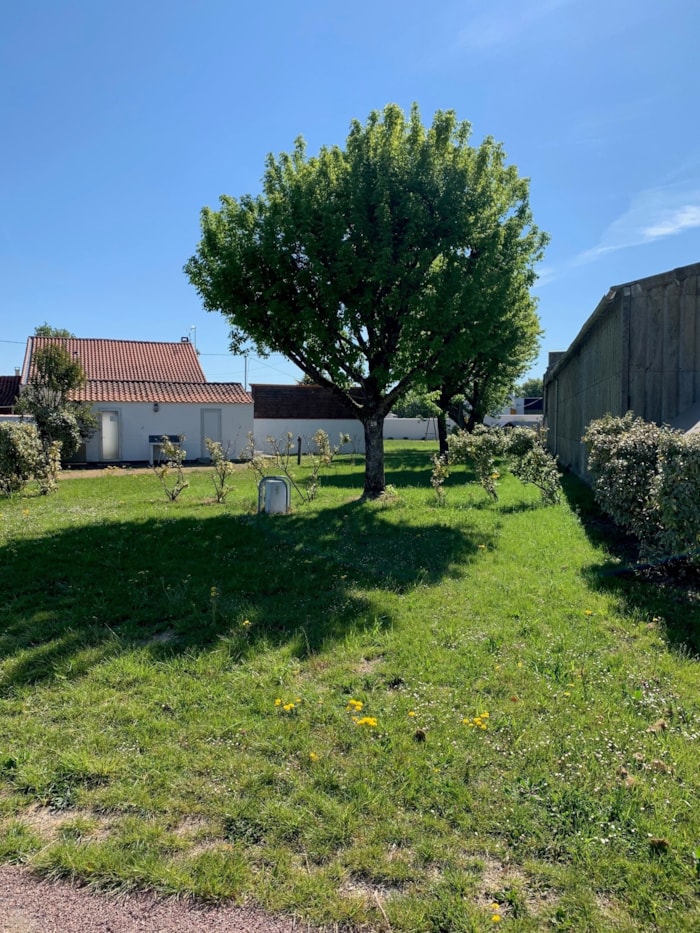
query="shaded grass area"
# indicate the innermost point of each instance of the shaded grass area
(668, 591)
(175, 705)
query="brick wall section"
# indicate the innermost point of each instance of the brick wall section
(298, 402)
(9, 390)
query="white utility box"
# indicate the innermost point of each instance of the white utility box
(274, 494)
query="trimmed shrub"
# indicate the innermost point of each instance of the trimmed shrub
(534, 465)
(22, 458)
(521, 450)
(647, 479)
(623, 460)
(677, 496)
(482, 448)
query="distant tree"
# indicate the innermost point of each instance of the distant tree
(530, 388)
(46, 330)
(352, 263)
(416, 403)
(55, 374)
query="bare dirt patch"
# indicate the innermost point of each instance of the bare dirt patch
(29, 904)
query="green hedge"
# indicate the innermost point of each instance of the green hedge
(647, 478)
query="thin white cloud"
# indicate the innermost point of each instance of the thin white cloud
(653, 214)
(681, 219)
(545, 274)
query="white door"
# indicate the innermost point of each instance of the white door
(109, 430)
(211, 427)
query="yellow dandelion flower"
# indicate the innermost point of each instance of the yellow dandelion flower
(566, 693)
(484, 716)
(278, 702)
(588, 612)
(411, 713)
(366, 721)
(355, 705)
(288, 707)
(496, 918)
(246, 623)
(313, 756)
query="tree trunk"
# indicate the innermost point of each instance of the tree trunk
(375, 484)
(442, 433)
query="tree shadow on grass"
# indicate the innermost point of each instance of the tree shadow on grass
(668, 591)
(181, 583)
(403, 467)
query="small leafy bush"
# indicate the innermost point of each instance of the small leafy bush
(170, 471)
(677, 494)
(623, 459)
(647, 479)
(441, 471)
(23, 458)
(321, 453)
(222, 468)
(520, 450)
(532, 463)
(482, 448)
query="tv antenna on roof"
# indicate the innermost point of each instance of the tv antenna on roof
(193, 331)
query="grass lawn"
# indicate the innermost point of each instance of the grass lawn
(384, 715)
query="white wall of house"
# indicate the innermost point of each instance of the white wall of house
(125, 428)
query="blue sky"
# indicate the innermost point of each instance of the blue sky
(120, 121)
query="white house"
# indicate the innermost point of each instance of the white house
(143, 390)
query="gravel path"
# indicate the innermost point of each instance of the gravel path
(31, 905)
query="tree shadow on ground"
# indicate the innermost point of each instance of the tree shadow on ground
(668, 591)
(181, 583)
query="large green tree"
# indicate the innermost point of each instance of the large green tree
(46, 397)
(353, 263)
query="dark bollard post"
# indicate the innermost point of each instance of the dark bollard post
(298, 451)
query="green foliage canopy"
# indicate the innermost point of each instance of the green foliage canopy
(46, 330)
(530, 388)
(55, 374)
(359, 264)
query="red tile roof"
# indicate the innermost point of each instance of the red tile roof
(140, 371)
(130, 360)
(200, 393)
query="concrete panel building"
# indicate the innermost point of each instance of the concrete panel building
(639, 351)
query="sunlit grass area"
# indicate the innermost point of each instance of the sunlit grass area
(386, 715)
